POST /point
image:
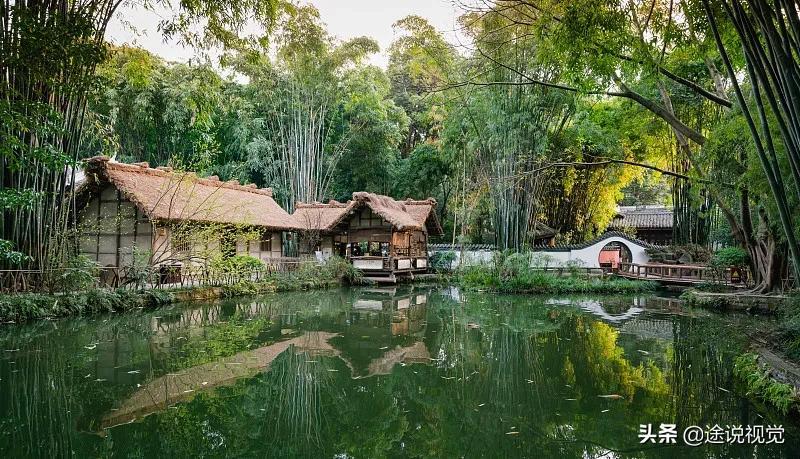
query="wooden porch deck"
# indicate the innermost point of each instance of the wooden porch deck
(682, 275)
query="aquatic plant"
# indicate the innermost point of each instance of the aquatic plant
(761, 384)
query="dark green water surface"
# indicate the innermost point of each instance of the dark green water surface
(365, 373)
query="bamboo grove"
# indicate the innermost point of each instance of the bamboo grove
(549, 111)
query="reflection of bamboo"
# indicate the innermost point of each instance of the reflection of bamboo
(171, 388)
(39, 404)
(301, 378)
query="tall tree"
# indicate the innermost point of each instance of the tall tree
(49, 54)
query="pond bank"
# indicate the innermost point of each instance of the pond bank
(735, 301)
(770, 367)
(32, 306)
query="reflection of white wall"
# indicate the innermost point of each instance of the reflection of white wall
(589, 256)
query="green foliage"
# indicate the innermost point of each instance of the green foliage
(10, 256)
(513, 275)
(442, 262)
(23, 307)
(79, 274)
(760, 383)
(236, 264)
(730, 256)
(334, 272)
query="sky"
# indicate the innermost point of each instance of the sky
(345, 19)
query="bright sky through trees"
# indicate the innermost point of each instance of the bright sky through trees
(345, 19)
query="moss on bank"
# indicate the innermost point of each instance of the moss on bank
(536, 281)
(761, 384)
(734, 301)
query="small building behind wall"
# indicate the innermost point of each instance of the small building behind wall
(173, 218)
(652, 224)
(379, 235)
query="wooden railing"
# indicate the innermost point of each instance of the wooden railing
(156, 277)
(684, 274)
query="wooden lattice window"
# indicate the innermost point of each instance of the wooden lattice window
(266, 243)
(181, 245)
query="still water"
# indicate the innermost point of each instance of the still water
(397, 372)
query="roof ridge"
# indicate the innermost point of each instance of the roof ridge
(213, 180)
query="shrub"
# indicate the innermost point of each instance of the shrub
(236, 264)
(442, 262)
(730, 256)
(79, 274)
(515, 277)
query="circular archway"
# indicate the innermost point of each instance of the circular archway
(612, 254)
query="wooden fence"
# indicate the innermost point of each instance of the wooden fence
(684, 274)
(157, 277)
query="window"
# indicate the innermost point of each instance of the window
(266, 243)
(181, 245)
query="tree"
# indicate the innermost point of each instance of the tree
(653, 54)
(50, 52)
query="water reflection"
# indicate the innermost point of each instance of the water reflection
(375, 372)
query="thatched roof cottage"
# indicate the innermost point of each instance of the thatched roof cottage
(382, 236)
(176, 218)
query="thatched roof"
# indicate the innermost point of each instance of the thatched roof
(405, 215)
(319, 216)
(163, 194)
(424, 212)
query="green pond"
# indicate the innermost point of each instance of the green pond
(373, 372)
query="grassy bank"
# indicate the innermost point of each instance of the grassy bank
(32, 306)
(508, 278)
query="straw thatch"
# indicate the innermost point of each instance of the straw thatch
(408, 215)
(318, 216)
(424, 212)
(163, 194)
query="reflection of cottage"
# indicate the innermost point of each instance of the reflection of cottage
(651, 224)
(381, 236)
(175, 218)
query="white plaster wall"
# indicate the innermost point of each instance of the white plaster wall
(589, 255)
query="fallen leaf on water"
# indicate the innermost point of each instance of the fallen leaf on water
(611, 396)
